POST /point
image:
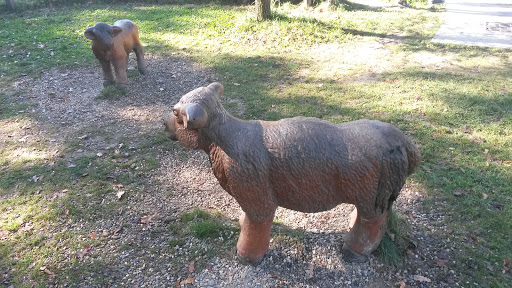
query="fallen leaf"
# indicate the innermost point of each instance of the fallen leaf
(147, 219)
(507, 263)
(93, 235)
(420, 278)
(441, 263)
(57, 194)
(47, 272)
(310, 272)
(191, 267)
(485, 196)
(120, 194)
(189, 280)
(80, 254)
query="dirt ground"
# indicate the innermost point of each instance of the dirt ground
(138, 255)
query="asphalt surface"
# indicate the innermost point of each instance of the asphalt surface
(485, 23)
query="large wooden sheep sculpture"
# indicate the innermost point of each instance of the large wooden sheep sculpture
(112, 45)
(303, 164)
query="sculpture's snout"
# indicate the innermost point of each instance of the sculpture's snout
(170, 126)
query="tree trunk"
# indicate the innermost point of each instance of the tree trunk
(262, 9)
(308, 3)
(10, 4)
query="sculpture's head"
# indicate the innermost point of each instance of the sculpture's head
(194, 112)
(102, 35)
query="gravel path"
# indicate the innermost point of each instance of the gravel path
(305, 249)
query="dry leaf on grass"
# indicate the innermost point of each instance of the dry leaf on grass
(80, 254)
(57, 194)
(507, 263)
(47, 272)
(120, 194)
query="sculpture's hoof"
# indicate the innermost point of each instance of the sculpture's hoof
(143, 71)
(353, 257)
(107, 83)
(122, 87)
(247, 261)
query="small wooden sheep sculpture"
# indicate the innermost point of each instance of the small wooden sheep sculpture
(112, 45)
(303, 164)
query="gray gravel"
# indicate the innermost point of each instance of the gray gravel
(305, 250)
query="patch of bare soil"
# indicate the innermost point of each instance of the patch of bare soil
(136, 249)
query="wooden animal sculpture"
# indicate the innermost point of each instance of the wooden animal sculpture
(112, 46)
(303, 164)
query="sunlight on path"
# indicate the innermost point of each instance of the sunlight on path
(485, 23)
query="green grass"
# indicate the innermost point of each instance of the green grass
(394, 244)
(325, 65)
(112, 93)
(203, 224)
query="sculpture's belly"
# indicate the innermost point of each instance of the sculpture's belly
(320, 186)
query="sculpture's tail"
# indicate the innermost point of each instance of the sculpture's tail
(413, 156)
(394, 171)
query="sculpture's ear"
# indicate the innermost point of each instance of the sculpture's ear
(89, 33)
(116, 30)
(217, 88)
(196, 116)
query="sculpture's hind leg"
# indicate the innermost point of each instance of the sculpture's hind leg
(254, 240)
(141, 63)
(364, 236)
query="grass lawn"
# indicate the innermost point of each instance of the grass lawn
(342, 65)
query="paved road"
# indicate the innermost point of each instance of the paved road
(486, 23)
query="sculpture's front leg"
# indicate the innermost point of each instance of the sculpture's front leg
(108, 77)
(254, 239)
